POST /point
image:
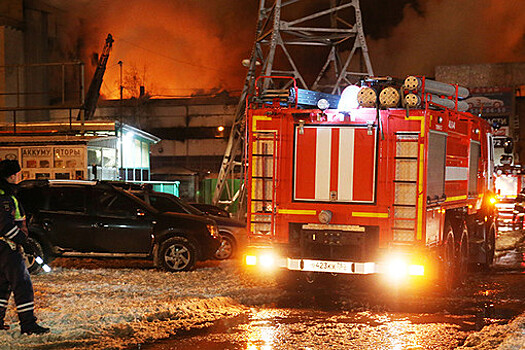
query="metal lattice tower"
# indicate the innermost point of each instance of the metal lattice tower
(287, 47)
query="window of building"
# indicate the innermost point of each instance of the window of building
(109, 157)
(94, 157)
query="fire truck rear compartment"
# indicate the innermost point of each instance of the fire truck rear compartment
(339, 245)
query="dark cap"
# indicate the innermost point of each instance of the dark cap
(9, 167)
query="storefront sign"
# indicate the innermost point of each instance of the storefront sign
(37, 157)
(494, 104)
(9, 153)
(69, 157)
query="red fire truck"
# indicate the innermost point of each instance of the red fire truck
(399, 191)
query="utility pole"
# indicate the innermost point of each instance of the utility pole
(333, 34)
(122, 174)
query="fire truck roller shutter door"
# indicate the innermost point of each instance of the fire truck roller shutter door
(340, 167)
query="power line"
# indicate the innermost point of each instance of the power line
(169, 57)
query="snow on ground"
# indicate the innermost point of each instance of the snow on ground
(121, 306)
(510, 250)
(113, 304)
(509, 336)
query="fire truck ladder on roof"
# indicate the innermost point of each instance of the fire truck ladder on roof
(334, 32)
(264, 183)
(87, 111)
(405, 186)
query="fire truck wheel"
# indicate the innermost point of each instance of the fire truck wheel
(463, 253)
(449, 258)
(490, 246)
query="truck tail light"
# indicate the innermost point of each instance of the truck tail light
(398, 268)
(261, 257)
(250, 260)
(264, 260)
(416, 270)
(267, 260)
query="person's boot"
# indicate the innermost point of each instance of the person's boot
(33, 328)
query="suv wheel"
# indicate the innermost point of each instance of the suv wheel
(177, 254)
(226, 249)
(34, 249)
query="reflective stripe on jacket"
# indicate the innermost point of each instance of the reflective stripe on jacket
(9, 222)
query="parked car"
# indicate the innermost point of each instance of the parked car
(211, 209)
(233, 232)
(93, 219)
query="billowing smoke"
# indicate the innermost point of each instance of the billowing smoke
(181, 47)
(449, 32)
(172, 47)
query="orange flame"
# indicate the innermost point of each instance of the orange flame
(172, 48)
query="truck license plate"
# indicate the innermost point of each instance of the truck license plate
(327, 266)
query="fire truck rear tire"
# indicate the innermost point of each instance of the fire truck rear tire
(463, 253)
(490, 247)
(455, 254)
(449, 260)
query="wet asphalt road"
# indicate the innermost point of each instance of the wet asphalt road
(361, 315)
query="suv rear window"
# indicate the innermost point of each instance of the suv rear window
(34, 199)
(71, 199)
(164, 204)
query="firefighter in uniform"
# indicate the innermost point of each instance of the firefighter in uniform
(13, 271)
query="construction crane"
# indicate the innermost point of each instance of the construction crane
(281, 41)
(90, 103)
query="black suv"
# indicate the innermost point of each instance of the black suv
(233, 233)
(92, 219)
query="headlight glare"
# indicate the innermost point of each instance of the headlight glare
(251, 260)
(416, 270)
(396, 269)
(267, 260)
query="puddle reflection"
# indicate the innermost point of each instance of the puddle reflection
(429, 322)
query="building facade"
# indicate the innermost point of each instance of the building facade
(194, 133)
(97, 150)
(497, 93)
